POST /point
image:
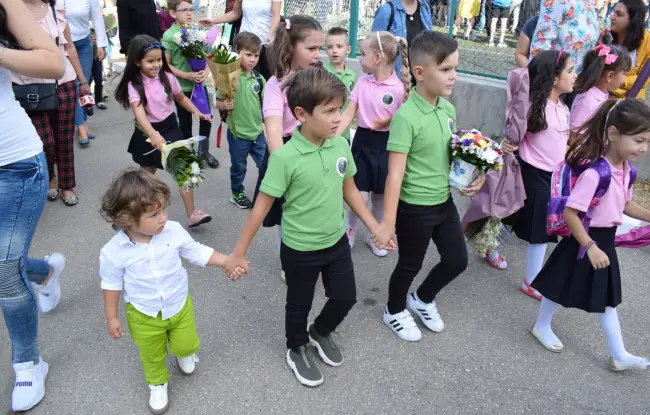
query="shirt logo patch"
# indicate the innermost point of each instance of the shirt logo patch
(387, 99)
(342, 166)
(256, 87)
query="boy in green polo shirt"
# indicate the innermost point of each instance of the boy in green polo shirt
(337, 49)
(314, 171)
(418, 207)
(183, 13)
(245, 123)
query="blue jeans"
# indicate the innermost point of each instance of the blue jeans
(85, 51)
(23, 187)
(239, 150)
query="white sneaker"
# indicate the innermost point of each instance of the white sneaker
(351, 232)
(403, 325)
(49, 295)
(29, 388)
(158, 400)
(491, 44)
(187, 365)
(428, 313)
(502, 45)
(378, 252)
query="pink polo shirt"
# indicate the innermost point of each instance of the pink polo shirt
(159, 106)
(275, 105)
(547, 148)
(380, 99)
(585, 105)
(609, 211)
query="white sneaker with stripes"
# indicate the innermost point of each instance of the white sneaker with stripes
(403, 325)
(428, 313)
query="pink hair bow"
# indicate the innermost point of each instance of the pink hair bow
(603, 50)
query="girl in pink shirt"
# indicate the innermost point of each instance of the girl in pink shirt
(619, 132)
(375, 97)
(603, 70)
(149, 89)
(296, 45)
(552, 73)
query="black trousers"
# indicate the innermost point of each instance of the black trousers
(415, 227)
(97, 78)
(185, 124)
(302, 270)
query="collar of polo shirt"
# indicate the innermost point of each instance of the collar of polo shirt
(305, 146)
(425, 106)
(391, 80)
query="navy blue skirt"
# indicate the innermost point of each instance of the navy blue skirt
(371, 158)
(141, 150)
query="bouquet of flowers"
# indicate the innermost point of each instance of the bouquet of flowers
(191, 42)
(225, 69)
(472, 154)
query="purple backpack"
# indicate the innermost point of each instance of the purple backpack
(562, 182)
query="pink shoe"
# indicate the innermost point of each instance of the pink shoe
(197, 218)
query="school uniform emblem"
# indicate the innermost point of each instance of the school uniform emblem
(256, 87)
(342, 166)
(387, 99)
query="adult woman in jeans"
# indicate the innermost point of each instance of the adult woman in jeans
(26, 49)
(79, 14)
(56, 128)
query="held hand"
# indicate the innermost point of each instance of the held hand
(101, 53)
(268, 40)
(228, 104)
(157, 141)
(383, 236)
(598, 259)
(115, 328)
(206, 22)
(200, 76)
(234, 261)
(84, 89)
(474, 187)
(203, 117)
(237, 274)
(507, 147)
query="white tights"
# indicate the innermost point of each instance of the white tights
(377, 208)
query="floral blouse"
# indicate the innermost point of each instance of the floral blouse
(571, 25)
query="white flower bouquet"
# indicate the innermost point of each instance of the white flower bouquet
(472, 154)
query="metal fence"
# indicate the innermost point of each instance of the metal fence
(477, 55)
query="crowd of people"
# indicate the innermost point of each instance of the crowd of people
(293, 116)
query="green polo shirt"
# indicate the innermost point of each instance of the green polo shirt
(423, 132)
(349, 79)
(311, 180)
(178, 60)
(247, 109)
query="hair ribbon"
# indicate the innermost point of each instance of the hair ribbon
(155, 45)
(381, 48)
(603, 50)
(559, 56)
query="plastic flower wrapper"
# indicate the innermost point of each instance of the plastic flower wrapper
(226, 71)
(472, 154)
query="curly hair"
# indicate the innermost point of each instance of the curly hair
(542, 70)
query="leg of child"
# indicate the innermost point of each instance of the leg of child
(611, 327)
(470, 25)
(352, 220)
(504, 27)
(543, 324)
(238, 150)
(534, 262)
(301, 283)
(150, 335)
(515, 18)
(183, 338)
(493, 29)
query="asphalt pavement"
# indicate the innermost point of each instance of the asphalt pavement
(484, 362)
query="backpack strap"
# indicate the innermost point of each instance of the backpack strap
(605, 178)
(260, 82)
(632, 175)
(391, 19)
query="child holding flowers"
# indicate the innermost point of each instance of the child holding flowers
(179, 62)
(149, 88)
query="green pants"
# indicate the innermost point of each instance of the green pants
(152, 334)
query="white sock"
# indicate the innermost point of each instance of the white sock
(534, 260)
(611, 327)
(378, 206)
(352, 218)
(278, 235)
(544, 317)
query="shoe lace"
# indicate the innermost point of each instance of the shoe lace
(25, 375)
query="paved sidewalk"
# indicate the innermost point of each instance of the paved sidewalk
(484, 362)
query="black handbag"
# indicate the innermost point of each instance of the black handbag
(39, 97)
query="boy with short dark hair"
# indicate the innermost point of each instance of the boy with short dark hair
(337, 48)
(314, 171)
(183, 14)
(245, 123)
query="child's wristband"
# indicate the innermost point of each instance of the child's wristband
(589, 245)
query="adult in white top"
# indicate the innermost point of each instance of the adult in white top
(79, 13)
(260, 17)
(24, 48)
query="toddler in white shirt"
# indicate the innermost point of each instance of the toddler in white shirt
(144, 260)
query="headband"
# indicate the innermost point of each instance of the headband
(603, 50)
(381, 49)
(154, 45)
(559, 56)
(607, 120)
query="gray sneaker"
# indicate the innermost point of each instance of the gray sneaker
(327, 349)
(304, 366)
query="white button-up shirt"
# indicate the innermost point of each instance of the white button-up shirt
(152, 275)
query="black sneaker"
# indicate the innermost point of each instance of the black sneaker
(327, 349)
(240, 200)
(304, 366)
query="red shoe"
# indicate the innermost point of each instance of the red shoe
(530, 291)
(499, 263)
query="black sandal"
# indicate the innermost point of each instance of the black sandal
(52, 195)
